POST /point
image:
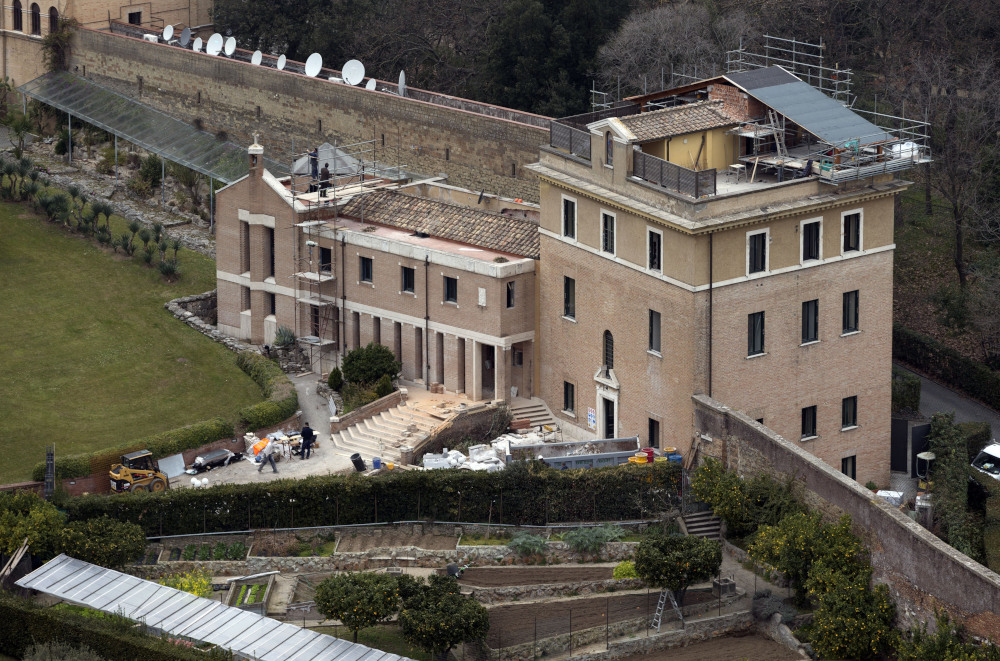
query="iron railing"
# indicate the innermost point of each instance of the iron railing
(693, 183)
(568, 139)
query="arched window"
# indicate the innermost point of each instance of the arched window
(18, 16)
(36, 19)
(53, 19)
(609, 350)
(609, 148)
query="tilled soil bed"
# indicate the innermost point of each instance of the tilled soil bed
(491, 577)
(746, 648)
(392, 539)
(521, 623)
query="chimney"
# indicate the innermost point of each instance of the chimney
(256, 153)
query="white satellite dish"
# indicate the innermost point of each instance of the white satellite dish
(197, 45)
(214, 44)
(168, 33)
(281, 62)
(353, 72)
(185, 37)
(230, 46)
(371, 84)
(256, 58)
(402, 83)
(314, 64)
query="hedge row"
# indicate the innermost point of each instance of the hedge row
(281, 403)
(161, 445)
(946, 364)
(905, 391)
(991, 530)
(522, 494)
(25, 624)
(282, 399)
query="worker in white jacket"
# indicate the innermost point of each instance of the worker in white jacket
(266, 455)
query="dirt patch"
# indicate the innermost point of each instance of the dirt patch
(745, 648)
(393, 539)
(490, 577)
(522, 623)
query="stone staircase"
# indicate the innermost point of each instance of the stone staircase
(703, 524)
(383, 434)
(534, 410)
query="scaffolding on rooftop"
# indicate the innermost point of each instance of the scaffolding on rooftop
(801, 58)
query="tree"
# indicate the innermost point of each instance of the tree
(359, 600)
(949, 641)
(437, 617)
(19, 125)
(673, 562)
(103, 541)
(366, 365)
(55, 45)
(852, 621)
(24, 514)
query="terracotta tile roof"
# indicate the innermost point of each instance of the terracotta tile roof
(678, 120)
(447, 221)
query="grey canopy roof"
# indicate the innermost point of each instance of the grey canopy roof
(827, 119)
(248, 635)
(339, 162)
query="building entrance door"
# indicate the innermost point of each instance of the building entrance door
(609, 418)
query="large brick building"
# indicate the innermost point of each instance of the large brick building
(445, 279)
(732, 237)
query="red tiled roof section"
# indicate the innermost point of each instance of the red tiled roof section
(658, 124)
(447, 221)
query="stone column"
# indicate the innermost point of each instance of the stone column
(502, 387)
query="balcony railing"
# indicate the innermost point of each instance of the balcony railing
(568, 139)
(693, 183)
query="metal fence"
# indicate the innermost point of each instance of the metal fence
(693, 183)
(569, 139)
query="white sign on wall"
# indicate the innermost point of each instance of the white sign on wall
(591, 418)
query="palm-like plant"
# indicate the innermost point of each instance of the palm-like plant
(9, 171)
(175, 245)
(145, 236)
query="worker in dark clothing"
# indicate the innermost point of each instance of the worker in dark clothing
(324, 179)
(308, 436)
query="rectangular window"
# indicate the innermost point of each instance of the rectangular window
(135, 18)
(569, 218)
(810, 241)
(245, 298)
(450, 290)
(654, 331)
(849, 466)
(407, 280)
(809, 422)
(366, 269)
(272, 304)
(270, 249)
(852, 232)
(325, 260)
(608, 233)
(569, 397)
(851, 311)
(655, 240)
(755, 334)
(654, 433)
(810, 321)
(569, 298)
(510, 294)
(516, 358)
(849, 412)
(757, 252)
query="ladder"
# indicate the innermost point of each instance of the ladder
(779, 133)
(661, 603)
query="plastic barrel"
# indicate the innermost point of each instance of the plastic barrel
(389, 465)
(376, 463)
(676, 458)
(650, 454)
(358, 462)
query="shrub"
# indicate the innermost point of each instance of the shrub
(977, 436)
(151, 170)
(169, 269)
(359, 600)
(283, 401)
(236, 551)
(366, 365)
(219, 552)
(591, 540)
(335, 380)
(625, 569)
(853, 621)
(905, 391)
(672, 562)
(104, 541)
(198, 582)
(284, 337)
(743, 505)
(384, 386)
(950, 477)
(525, 544)
(355, 396)
(139, 187)
(58, 651)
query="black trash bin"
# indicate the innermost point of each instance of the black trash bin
(359, 463)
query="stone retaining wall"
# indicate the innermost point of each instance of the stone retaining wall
(183, 309)
(392, 400)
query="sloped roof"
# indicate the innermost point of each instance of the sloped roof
(678, 120)
(447, 221)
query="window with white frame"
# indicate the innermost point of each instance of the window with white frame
(569, 397)
(852, 231)
(809, 422)
(849, 412)
(365, 270)
(810, 321)
(811, 248)
(654, 331)
(850, 324)
(755, 333)
(757, 252)
(654, 245)
(407, 278)
(569, 297)
(569, 218)
(450, 290)
(607, 232)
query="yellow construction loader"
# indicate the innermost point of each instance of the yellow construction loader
(137, 473)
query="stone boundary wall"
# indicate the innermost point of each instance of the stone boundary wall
(188, 310)
(342, 422)
(921, 571)
(473, 150)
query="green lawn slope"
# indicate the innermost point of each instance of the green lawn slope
(89, 358)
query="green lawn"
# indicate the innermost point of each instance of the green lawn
(89, 357)
(385, 637)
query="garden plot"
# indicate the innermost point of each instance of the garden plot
(353, 543)
(491, 577)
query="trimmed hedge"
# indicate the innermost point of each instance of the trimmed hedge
(282, 399)
(521, 494)
(26, 624)
(161, 445)
(973, 378)
(977, 436)
(905, 391)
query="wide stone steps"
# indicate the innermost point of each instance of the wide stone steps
(383, 434)
(536, 411)
(703, 524)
